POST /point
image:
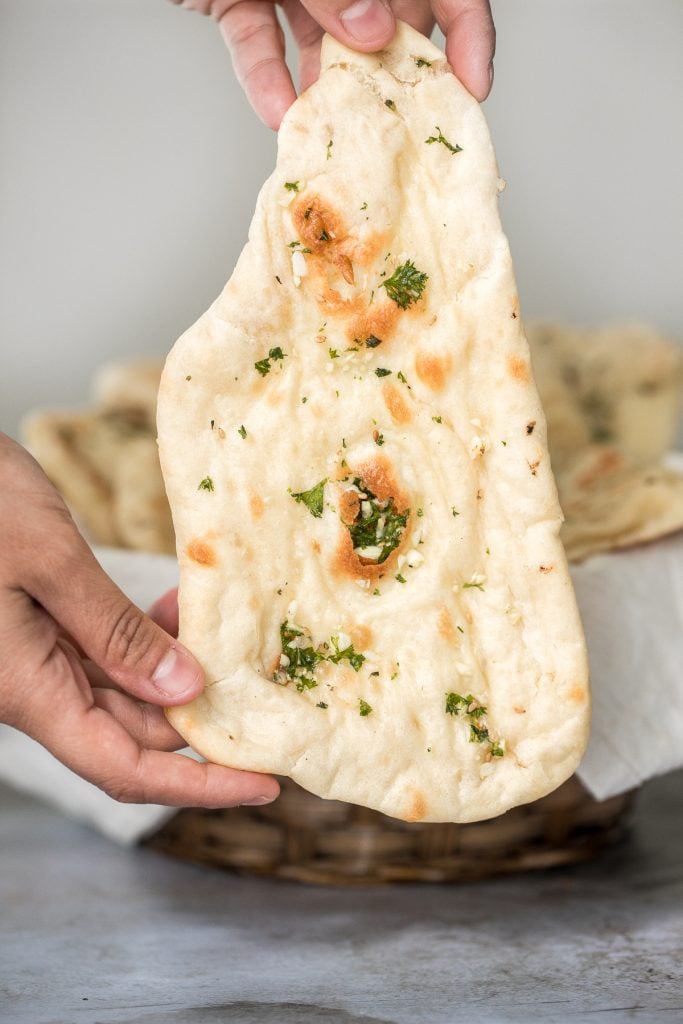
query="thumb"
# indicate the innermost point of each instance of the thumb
(134, 651)
(366, 25)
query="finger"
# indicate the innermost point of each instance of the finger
(133, 651)
(308, 37)
(418, 14)
(365, 25)
(97, 747)
(470, 42)
(146, 723)
(164, 612)
(257, 47)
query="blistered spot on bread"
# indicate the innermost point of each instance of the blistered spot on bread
(361, 636)
(345, 562)
(396, 404)
(316, 547)
(518, 369)
(379, 320)
(444, 624)
(418, 807)
(349, 507)
(314, 218)
(378, 474)
(257, 506)
(433, 370)
(201, 553)
(578, 694)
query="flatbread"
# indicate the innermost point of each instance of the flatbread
(443, 678)
(105, 463)
(620, 385)
(610, 503)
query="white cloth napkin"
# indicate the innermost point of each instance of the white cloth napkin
(632, 608)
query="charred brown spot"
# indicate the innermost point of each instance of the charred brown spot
(349, 507)
(546, 568)
(201, 552)
(530, 426)
(518, 368)
(533, 466)
(432, 369)
(396, 404)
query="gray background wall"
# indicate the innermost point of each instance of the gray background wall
(130, 163)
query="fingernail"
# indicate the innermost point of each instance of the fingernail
(367, 20)
(176, 674)
(258, 801)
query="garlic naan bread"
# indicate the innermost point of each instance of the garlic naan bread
(356, 460)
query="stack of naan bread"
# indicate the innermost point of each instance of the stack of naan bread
(357, 464)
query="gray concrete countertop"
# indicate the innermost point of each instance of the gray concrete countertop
(94, 934)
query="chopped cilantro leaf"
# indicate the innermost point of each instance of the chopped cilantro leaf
(354, 658)
(405, 285)
(381, 372)
(322, 704)
(372, 342)
(330, 144)
(292, 186)
(206, 484)
(478, 733)
(382, 528)
(390, 104)
(401, 376)
(312, 499)
(364, 708)
(400, 578)
(422, 63)
(333, 353)
(379, 440)
(437, 419)
(242, 431)
(324, 237)
(444, 141)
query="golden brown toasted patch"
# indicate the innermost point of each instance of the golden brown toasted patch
(433, 370)
(201, 552)
(349, 506)
(396, 404)
(379, 320)
(578, 694)
(444, 624)
(418, 807)
(257, 506)
(377, 473)
(518, 369)
(345, 562)
(361, 636)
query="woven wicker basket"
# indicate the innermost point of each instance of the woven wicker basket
(325, 842)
